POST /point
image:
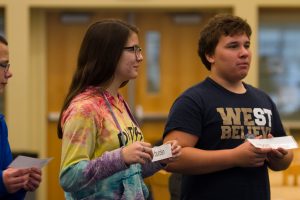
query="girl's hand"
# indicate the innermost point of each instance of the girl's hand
(137, 152)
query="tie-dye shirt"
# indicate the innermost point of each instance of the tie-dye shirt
(92, 166)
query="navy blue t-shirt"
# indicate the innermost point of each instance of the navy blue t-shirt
(221, 119)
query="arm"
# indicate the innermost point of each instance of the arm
(79, 168)
(3, 190)
(197, 161)
(12, 182)
(279, 159)
(82, 174)
(150, 168)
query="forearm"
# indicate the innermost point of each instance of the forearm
(84, 173)
(281, 164)
(197, 161)
(149, 169)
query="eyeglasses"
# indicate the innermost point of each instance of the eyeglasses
(5, 66)
(136, 49)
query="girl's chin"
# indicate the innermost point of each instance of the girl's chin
(134, 75)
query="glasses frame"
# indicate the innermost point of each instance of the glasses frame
(5, 66)
(136, 49)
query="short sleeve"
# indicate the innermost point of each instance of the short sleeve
(185, 115)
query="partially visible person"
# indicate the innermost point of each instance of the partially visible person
(104, 155)
(13, 182)
(213, 119)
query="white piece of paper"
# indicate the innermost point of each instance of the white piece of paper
(28, 162)
(161, 152)
(285, 142)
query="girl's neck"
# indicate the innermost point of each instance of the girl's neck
(113, 90)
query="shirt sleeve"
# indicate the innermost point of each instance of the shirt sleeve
(277, 127)
(6, 158)
(78, 169)
(2, 187)
(85, 173)
(185, 115)
(149, 169)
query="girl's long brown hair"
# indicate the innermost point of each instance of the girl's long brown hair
(98, 58)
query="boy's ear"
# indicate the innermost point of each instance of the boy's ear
(210, 58)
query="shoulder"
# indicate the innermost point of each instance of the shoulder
(256, 91)
(86, 104)
(200, 93)
(197, 90)
(191, 100)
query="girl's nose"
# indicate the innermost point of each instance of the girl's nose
(139, 57)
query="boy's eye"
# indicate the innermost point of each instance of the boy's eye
(232, 46)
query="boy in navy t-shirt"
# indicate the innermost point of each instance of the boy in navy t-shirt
(212, 119)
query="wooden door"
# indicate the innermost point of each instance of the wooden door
(62, 45)
(179, 68)
(179, 64)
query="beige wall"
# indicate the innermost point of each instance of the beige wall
(25, 29)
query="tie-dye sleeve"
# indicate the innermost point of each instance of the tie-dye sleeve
(149, 169)
(85, 173)
(78, 170)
